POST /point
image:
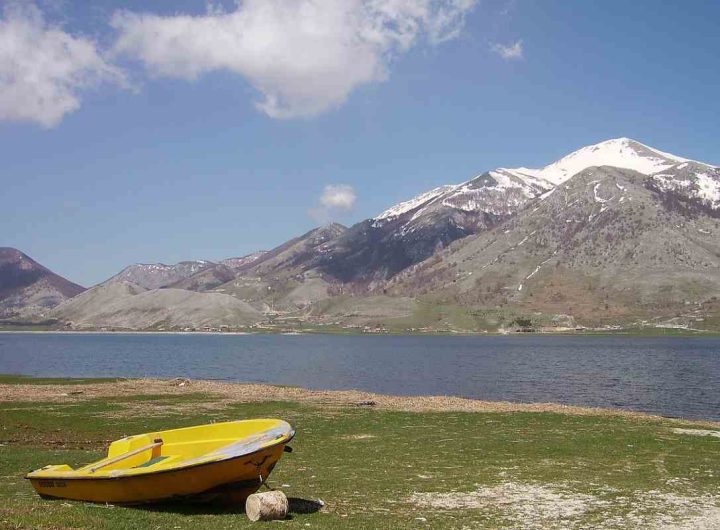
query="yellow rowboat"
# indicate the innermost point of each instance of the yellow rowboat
(231, 458)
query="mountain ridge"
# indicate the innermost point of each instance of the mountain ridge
(616, 231)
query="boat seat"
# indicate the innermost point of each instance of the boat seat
(160, 460)
(153, 461)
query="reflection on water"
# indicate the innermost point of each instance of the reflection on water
(672, 376)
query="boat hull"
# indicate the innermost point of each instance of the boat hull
(234, 478)
(226, 460)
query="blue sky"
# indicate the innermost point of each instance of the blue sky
(175, 151)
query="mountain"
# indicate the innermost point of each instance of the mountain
(193, 275)
(376, 249)
(607, 244)
(612, 233)
(157, 275)
(296, 253)
(409, 232)
(284, 277)
(243, 262)
(206, 279)
(29, 290)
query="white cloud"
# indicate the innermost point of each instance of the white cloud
(335, 200)
(303, 56)
(510, 52)
(43, 69)
(339, 196)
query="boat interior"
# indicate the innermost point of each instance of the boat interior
(151, 452)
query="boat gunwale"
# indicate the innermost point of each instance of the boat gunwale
(279, 441)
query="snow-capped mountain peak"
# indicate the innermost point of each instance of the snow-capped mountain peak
(515, 186)
(414, 229)
(624, 153)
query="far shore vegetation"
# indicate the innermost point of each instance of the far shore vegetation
(630, 330)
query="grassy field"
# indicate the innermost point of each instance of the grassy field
(375, 466)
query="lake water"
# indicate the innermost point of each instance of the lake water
(672, 376)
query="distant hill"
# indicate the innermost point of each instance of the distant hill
(28, 289)
(123, 305)
(157, 275)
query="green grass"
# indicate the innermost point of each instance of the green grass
(363, 463)
(11, 379)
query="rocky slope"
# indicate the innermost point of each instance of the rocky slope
(407, 233)
(284, 277)
(27, 289)
(206, 279)
(296, 254)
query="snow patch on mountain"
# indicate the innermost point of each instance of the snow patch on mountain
(692, 181)
(497, 192)
(708, 188)
(415, 202)
(243, 261)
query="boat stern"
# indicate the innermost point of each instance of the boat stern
(48, 481)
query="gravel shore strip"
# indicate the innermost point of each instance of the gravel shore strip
(244, 392)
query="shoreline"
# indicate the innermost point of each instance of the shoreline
(648, 332)
(63, 390)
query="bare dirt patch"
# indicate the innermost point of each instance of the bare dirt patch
(697, 432)
(541, 506)
(532, 506)
(667, 511)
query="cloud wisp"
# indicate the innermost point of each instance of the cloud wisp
(336, 199)
(43, 69)
(304, 57)
(510, 52)
(339, 196)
